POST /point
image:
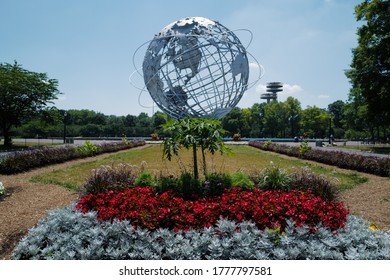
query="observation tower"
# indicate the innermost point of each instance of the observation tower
(272, 90)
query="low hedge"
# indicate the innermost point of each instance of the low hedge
(21, 161)
(364, 163)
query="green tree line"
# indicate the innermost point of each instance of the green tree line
(285, 119)
(88, 123)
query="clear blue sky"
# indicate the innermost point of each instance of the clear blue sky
(88, 45)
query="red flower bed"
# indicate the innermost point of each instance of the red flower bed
(144, 208)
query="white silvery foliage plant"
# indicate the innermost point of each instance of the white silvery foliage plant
(69, 234)
(2, 189)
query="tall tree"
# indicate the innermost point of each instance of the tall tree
(355, 121)
(23, 94)
(370, 67)
(159, 118)
(294, 111)
(257, 125)
(234, 121)
(144, 124)
(315, 122)
(336, 111)
(276, 119)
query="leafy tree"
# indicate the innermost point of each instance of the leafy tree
(336, 110)
(275, 119)
(257, 125)
(294, 112)
(370, 67)
(144, 125)
(159, 118)
(130, 120)
(247, 119)
(355, 119)
(315, 122)
(81, 117)
(234, 121)
(130, 123)
(115, 126)
(91, 130)
(48, 122)
(193, 133)
(22, 95)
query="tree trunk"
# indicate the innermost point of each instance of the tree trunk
(372, 131)
(7, 137)
(377, 134)
(204, 162)
(196, 174)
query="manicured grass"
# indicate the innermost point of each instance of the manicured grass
(244, 157)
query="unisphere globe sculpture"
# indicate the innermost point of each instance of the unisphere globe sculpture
(196, 67)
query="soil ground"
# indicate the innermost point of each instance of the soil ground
(26, 202)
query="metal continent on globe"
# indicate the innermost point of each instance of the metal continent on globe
(196, 67)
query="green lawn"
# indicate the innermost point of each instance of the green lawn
(245, 157)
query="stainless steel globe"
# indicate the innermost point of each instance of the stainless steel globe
(196, 67)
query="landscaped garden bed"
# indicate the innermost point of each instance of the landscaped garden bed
(70, 234)
(125, 212)
(124, 221)
(364, 163)
(21, 161)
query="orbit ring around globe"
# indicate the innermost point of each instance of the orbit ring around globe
(195, 67)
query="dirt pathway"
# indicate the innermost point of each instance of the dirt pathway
(370, 200)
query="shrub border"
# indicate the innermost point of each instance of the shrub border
(21, 161)
(362, 163)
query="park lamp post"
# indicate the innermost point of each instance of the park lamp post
(65, 114)
(330, 131)
(292, 121)
(261, 115)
